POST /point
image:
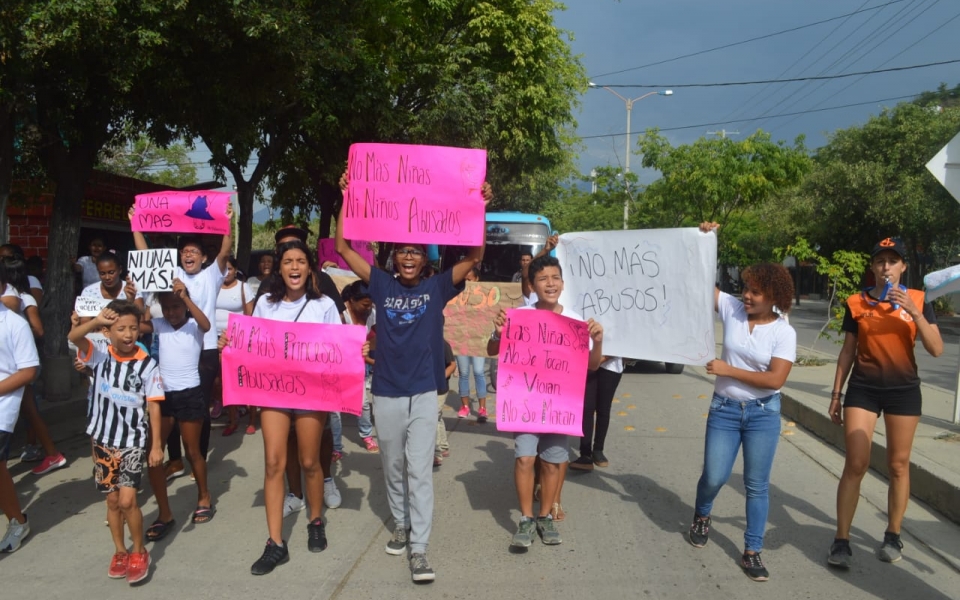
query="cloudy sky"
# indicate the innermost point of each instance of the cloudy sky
(669, 43)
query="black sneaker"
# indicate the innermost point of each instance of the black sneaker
(420, 570)
(840, 554)
(316, 536)
(753, 567)
(599, 459)
(398, 542)
(890, 551)
(273, 555)
(699, 531)
(584, 463)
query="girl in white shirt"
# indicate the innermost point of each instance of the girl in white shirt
(236, 297)
(293, 297)
(759, 349)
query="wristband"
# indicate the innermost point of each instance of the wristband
(495, 336)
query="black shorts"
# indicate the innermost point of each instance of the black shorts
(114, 468)
(905, 402)
(184, 405)
(5, 438)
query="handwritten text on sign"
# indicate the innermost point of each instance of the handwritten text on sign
(89, 307)
(652, 290)
(182, 212)
(308, 366)
(152, 270)
(542, 373)
(423, 194)
(468, 317)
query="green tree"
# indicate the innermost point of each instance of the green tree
(142, 158)
(870, 182)
(599, 210)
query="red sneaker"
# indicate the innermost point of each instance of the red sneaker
(50, 463)
(118, 566)
(138, 565)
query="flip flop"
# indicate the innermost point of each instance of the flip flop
(203, 514)
(159, 530)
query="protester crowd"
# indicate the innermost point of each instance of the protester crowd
(154, 359)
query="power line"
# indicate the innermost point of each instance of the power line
(789, 80)
(754, 39)
(791, 114)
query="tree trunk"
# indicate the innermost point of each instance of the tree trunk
(328, 198)
(246, 191)
(6, 168)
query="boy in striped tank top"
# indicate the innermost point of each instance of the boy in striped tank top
(124, 401)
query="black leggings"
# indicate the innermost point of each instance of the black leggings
(598, 398)
(209, 368)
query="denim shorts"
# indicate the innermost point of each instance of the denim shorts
(552, 447)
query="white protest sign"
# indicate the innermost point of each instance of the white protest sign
(651, 289)
(89, 307)
(945, 166)
(152, 270)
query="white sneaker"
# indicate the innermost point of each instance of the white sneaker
(292, 504)
(331, 495)
(16, 531)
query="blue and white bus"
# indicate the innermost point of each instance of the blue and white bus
(509, 234)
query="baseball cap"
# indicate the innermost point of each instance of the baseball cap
(892, 244)
(291, 230)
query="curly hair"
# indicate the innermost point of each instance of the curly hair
(773, 281)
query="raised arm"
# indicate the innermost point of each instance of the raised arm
(78, 334)
(226, 246)
(138, 240)
(475, 255)
(353, 259)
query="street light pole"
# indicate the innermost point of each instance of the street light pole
(629, 104)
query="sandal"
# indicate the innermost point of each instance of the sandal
(203, 514)
(229, 430)
(556, 511)
(159, 530)
(251, 430)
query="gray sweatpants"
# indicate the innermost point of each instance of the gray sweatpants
(407, 427)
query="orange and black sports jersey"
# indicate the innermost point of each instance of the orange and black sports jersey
(885, 340)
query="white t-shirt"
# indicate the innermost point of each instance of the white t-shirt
(17, 351)
(320, 310)
(95, 291)
(533, 299)
(230, 300)
(35, 283)
(11, 291)
(614, 364)
(204, 287)
(90, 273)
(750, 351)
(179, 354)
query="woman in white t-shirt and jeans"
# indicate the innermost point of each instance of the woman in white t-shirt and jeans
(759, 349)
(236, 296)
(293, 297)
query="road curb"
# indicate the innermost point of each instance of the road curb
(928, 481)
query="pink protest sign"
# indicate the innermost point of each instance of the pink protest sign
(202, 211)
(543, 373)
(415, 194)
(327, 252)
(279, 364)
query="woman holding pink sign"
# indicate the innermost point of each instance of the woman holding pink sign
(292, 297)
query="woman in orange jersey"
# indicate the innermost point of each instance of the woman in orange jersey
(881, 325)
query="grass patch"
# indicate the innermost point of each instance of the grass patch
(810, 361)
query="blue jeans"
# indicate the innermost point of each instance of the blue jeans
(364, 424)
(479, 381)
(756, 425)
(336, 428)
